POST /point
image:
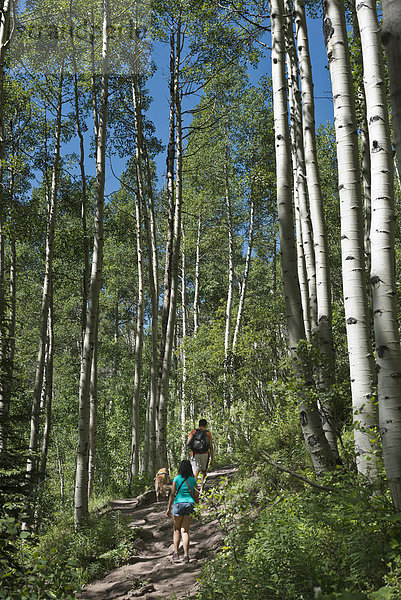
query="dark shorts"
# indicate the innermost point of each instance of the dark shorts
(183, 508)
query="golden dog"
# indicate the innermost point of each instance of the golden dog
(161, 480)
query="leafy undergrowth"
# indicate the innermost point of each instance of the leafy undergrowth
(304, 543)
(55, 564)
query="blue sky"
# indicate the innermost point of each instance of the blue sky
(158, 85)
(159, 110)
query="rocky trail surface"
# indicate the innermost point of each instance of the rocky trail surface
(151, 573)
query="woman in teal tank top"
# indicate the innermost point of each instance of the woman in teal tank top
(182, 503)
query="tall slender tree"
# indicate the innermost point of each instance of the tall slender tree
(82, 472)
(315, 439)
(382, 274)
(352, 246)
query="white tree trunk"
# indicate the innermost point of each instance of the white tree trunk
(246, 274)
(382, 275)
(230, 287)
(352, 245)
(304, 235)
(82, 471)
(315, 440)
(391, 36)
(139, 324)
(46, 296)
(93, 399)
(183, 355)
(197, 264)
(323, 290)
(161, 443)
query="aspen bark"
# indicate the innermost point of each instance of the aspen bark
(148, 466)
(85, 245)
(82, 471)
(196, 287)
(154, 434)
(93, 401)
(352, 246)
(391, 36)
(382, 274)
(48, 387)
(323, 290)
(305, 247)
(139, 323)
(246, 275)
(315, 440)
(230, 287)
(31, 467)
(166, 365)
(183, 350)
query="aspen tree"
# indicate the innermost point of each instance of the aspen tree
(139, 323)
(183, 355)
(197, 264)
(391, 36)
(304, 235)
(81, 478)
(154, 412)
(161, 443)
(382, 274)
(246, 273)
(323, 290)
(230, 286)
(151, 244)
(315, 440)
(31, 467)
(352, 246)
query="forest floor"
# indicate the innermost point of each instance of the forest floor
(151, 573)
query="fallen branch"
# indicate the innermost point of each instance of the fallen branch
(285, 470)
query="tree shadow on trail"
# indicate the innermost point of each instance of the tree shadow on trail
(150, 573)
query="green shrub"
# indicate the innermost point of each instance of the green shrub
(60, 561)
(341, 542)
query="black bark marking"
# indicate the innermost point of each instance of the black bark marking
(323, 318)
(376, 147)
(303, 417)
(350, 258)
(374, 118)
(378, 312)
(377, 367)
(328, 30)
(381, 350)
(375, 280)
(344, 237)
(341, 187)
(275, 60)
(396, 375)
(313, 440)
(352, 321)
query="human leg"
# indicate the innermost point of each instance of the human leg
(185, 525)
(177, 532)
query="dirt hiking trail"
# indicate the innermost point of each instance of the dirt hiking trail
(150, 573)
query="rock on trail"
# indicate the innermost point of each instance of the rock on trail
(150, 573)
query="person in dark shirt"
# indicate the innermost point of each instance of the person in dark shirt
(200, 460)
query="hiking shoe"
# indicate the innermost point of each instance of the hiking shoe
(185, 559)
(175, 556)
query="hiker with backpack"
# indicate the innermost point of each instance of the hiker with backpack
(200, 442)
(183, 496)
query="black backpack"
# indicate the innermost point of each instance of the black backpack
(199, 442)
